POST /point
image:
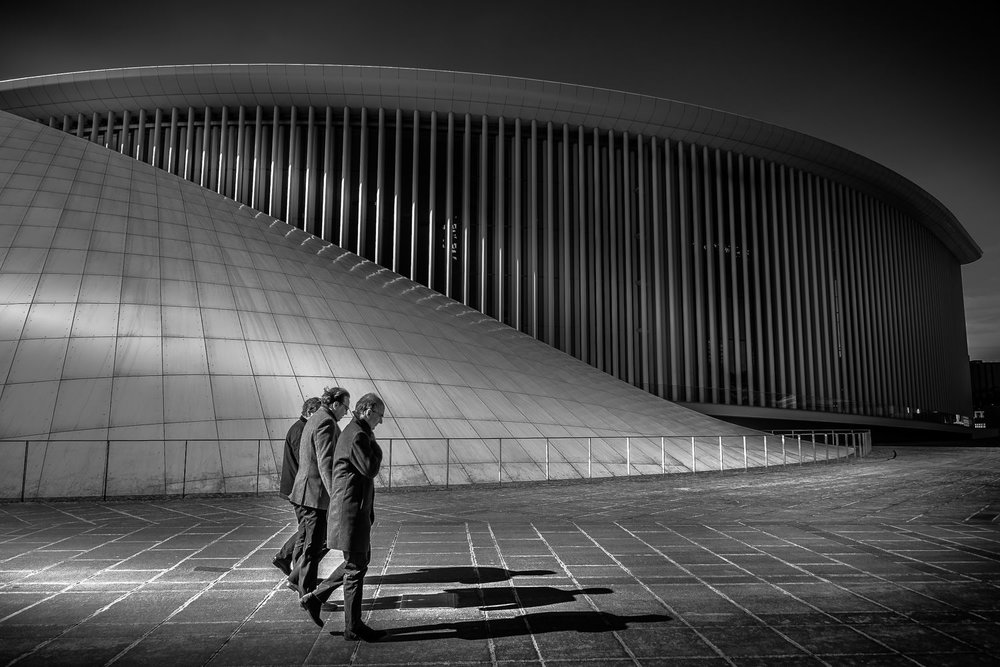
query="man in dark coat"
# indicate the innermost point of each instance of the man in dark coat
(289, 466)
(310, 494)
(356, 463)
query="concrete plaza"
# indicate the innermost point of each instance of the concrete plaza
(894, 559)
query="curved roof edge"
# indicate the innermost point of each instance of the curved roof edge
(462, 92)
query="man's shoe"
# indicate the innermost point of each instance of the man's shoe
(365, 634)
(312, 605)
(282, 564)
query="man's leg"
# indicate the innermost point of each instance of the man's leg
(283, 559)
(298, 546)
(314, 532)
(355, 566)
(334, 581)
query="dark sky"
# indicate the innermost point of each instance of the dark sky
(913, 88)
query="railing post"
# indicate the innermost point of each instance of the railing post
(257, 489)
(746, 465)
(184, 471)
(500, 463)
(107, 461)
(663, 458)
(590, 458)
(628, 456)
(24, 472)
(447, 461)
(784, 453)
(388, 474)
(765, 451)
(721, 455)
(799, 438)
(812, 438)
(826, 447)
(546, 459)
(694, 460)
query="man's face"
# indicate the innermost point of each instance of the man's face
(342, 407)
(374, 416)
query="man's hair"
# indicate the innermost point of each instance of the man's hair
(368, 401)
(333, 395)
(310, 406)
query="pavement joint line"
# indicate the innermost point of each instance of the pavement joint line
(176, 511)
(279, 586)
(789, 593)
(658, 598)
(521, 613)
(972, 551)
(885, 553)
(109, 508)
(730, 599)
(92, 615)
(483, 611)
(51, 506)
(585, 596)
(896, 612)
(187, 603)
(52, 565)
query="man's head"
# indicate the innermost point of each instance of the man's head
(337, 400)
(310, 406)
(371, 409)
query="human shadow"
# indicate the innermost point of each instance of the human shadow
(486, 599)
(456, 575)
(529, 624)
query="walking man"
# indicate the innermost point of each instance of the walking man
(356, 463)
(310, 491)
(289, 466)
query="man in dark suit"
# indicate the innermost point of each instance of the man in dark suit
(356, 462)
(289, 466)
(310, 491)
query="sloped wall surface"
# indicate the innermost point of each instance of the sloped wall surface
(156, 337)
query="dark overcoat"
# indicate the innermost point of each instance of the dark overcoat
(312, 481)
(356, 462)
(290, 460)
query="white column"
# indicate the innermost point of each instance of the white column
(326, 217)
(345, 175)
(257, 168)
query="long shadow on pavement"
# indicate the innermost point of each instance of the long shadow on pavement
(529, 624)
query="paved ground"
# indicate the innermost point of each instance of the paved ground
(885, 561)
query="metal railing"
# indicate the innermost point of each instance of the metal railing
(166, 467)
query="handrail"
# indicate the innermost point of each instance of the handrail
(107, 467)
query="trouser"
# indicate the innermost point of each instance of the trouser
(310, 542)
(350, 573)
(287, 551)
(291, 550)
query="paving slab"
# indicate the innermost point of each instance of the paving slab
(894, 559)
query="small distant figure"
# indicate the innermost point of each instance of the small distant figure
(289, 466)
(356, 462)
(310, 491)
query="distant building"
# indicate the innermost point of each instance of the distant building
(985, 393)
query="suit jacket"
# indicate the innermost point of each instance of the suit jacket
(312, 481)
(290, 461)
(356, 462)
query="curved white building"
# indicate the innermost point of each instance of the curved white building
(705, 258)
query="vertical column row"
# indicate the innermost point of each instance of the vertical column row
(698, 274)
